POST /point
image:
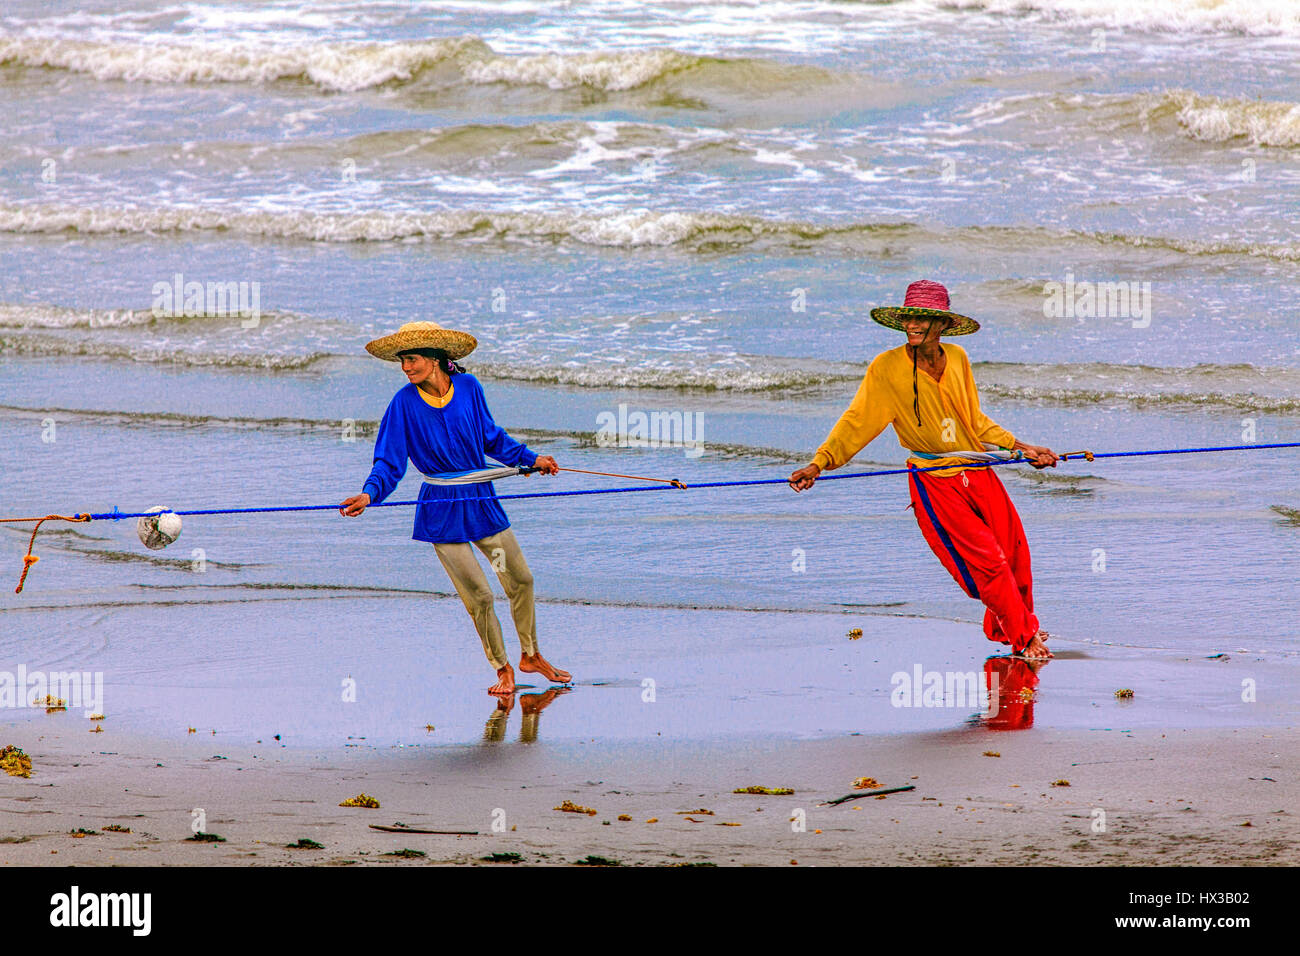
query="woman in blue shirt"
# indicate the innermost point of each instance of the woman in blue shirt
(441, 423)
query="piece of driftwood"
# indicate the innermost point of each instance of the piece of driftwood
(376, 826)
(866, 793)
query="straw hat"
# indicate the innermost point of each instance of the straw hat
(422, 335)
(928, 300)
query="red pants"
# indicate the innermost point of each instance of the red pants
(972, 526)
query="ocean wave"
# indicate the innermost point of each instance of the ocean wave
(1214, 119)
(1086, 397)
(366, 428)
(129, 419)
(1235, 387)
(17, 316)
(1247, 17)
(700, 231)
(751, 376)
(1194, 116)
(621, 229)
(1238, 387)
(354, 66)
(479, 151)
(163, 353)
(475, 142)
(335, 67)
(23, 316)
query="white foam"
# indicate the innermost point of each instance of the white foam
(626, 229)
(1214, 119)
(16, 316)
(623, 229)
(342, 66)
(206, 17)
(613, 71)
(1217, 120)
(721, 374)
(769, 157)
(1252, 17)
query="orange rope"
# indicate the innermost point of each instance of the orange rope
(607, 474)
(29, 559)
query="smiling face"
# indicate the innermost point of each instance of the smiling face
(417, 368)
(924, 328)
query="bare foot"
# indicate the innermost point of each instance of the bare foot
(1035, 649)
(537, 664)
(1044, 635)
(505, 682)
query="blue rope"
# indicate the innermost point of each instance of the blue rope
(117, 515)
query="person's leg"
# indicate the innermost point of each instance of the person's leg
(1004, 521)
(507, 559)
(471, 584)
(965, 544)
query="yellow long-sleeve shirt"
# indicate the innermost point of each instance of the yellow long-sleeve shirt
(951, 419)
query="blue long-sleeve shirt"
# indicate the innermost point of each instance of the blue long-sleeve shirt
(438, 440)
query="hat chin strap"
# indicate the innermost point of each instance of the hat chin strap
(916, 391)
(916, 352)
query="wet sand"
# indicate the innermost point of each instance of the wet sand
(1182, 798)
(328, 669)
(1184, 773)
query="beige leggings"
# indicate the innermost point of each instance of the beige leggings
(503, 554)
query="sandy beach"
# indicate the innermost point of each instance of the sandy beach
(1148, 782)
(1185, 798)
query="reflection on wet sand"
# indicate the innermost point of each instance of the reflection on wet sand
(1013, 680)
(530, 705)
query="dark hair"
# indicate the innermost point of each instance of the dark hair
(438, 355)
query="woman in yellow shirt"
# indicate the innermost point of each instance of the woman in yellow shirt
(927, 392)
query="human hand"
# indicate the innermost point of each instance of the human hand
(803, 479)
(354, 505)
(1040, 456)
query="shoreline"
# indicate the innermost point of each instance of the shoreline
(377, 671)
